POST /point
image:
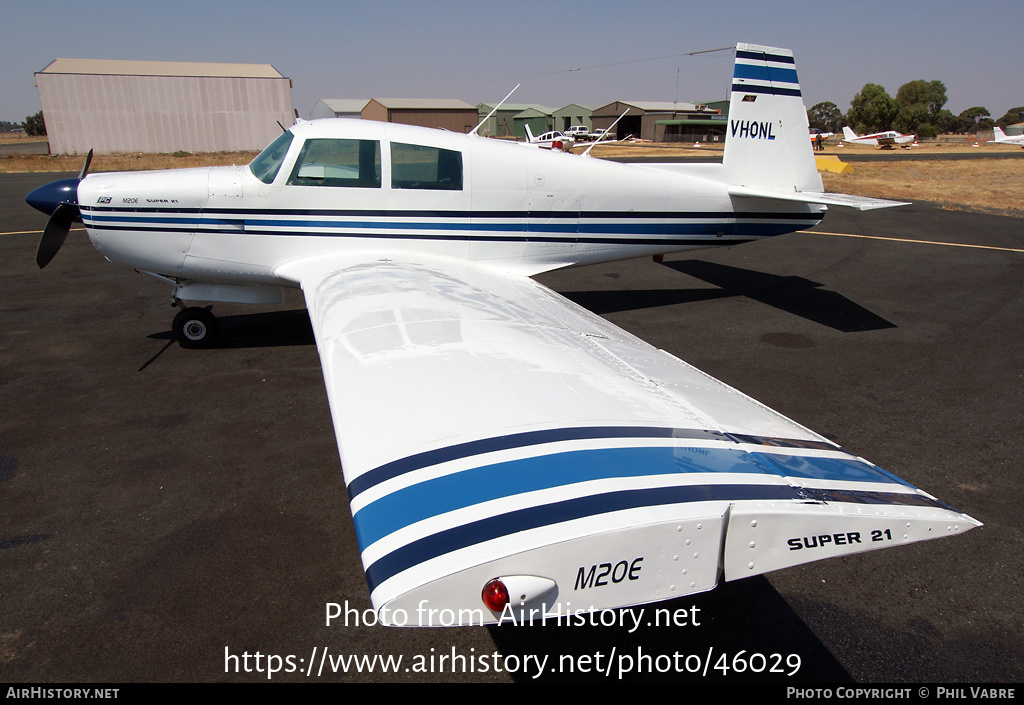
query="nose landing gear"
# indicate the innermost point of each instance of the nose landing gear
(195, 328)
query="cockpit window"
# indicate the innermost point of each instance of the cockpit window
(331, 162)
(268, 162)
(416, 166)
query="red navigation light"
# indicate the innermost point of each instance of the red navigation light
(495, 595)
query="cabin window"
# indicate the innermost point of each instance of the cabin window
(266, 165)
(418, 167)
(329, 162)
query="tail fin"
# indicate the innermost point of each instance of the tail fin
(766, 146)
(998, 134)
(529, 132)
(767, 153)
(849, 134)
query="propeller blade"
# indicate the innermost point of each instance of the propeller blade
(56, 232)
(85, 167)
(60, 199)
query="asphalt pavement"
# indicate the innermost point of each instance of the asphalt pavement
(25, 148)
(168, 514)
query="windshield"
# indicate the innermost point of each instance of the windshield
(266, 165)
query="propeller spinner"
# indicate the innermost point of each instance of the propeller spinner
(58, 199)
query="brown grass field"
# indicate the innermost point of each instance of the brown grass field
(18, 138)
(11, 163)
(993, 185)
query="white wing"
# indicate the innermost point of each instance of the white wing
(489, 427)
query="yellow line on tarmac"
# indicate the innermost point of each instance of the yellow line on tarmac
(34, 232)
(916, 242)
(806, 232)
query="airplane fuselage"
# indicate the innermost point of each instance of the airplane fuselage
(517, 209)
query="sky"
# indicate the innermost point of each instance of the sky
(591, 53)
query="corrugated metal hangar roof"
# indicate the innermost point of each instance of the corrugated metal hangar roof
(424, 104)
(115, 67)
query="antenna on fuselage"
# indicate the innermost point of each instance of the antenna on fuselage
(473, 131)
(598, 141)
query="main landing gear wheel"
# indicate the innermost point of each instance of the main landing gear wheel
(195, 328)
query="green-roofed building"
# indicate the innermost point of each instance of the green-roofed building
(503, 122)
(643, 119)
(572, 115)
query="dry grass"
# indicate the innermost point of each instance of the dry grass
(983, 184)
(616, 150)
(10, 163)
(980, 184)
(949, 146)
(19, 138)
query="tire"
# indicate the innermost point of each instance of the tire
(195, 328)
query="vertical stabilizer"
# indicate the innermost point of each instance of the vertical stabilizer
(767, 144)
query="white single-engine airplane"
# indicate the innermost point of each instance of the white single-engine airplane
(1003, 138)
(886, 139)
(549, 140)
(504, 448)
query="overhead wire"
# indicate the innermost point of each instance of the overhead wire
(591, 67)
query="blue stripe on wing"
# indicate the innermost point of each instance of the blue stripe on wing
(485, 483)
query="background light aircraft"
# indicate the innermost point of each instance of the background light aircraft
(1003, 138)
(552, 139)
(878, 139)
(504, 448)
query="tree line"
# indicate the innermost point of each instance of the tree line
(33, 125)
(918, 109)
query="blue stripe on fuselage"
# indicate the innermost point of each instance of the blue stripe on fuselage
(574, 224)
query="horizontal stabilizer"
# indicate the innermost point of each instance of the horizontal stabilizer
(862, 203)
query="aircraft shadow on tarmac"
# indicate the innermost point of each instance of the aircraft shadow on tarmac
(259, 330)
(795, 295)
(747, 619)
(252, 330)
